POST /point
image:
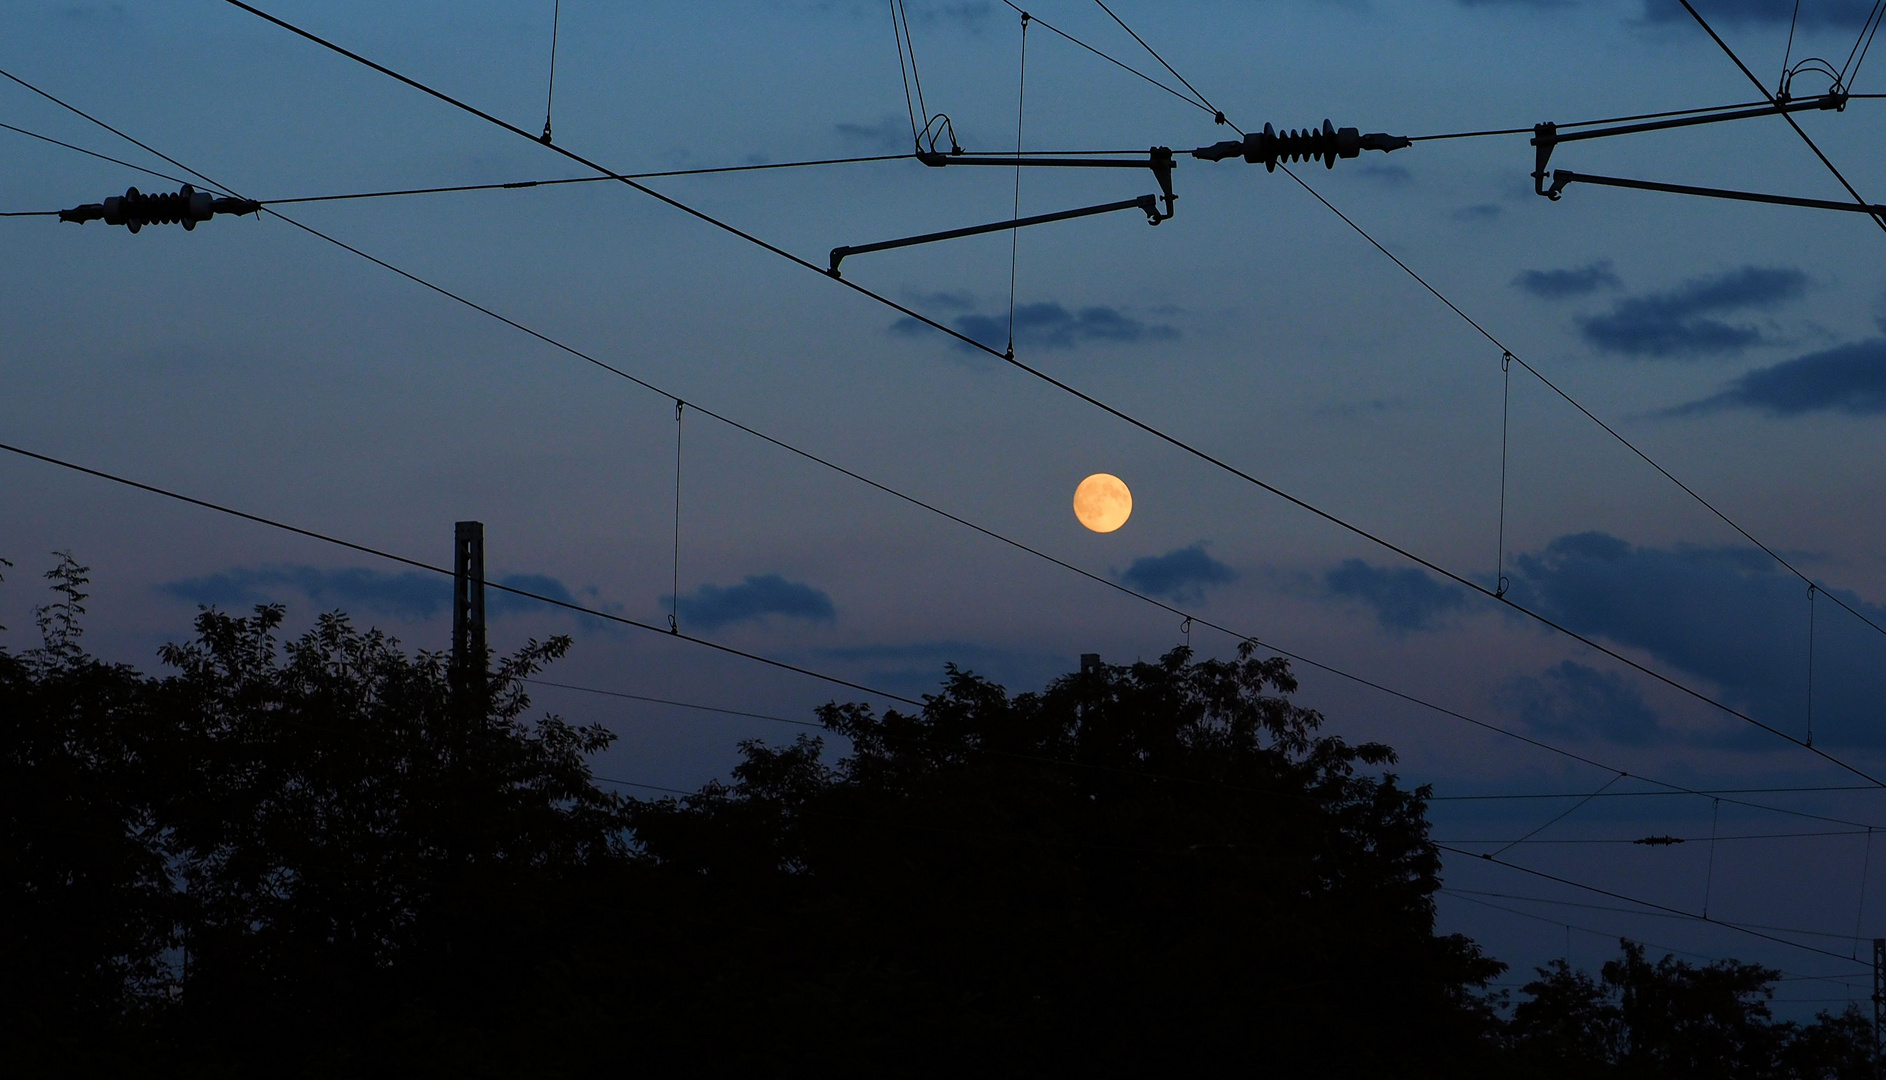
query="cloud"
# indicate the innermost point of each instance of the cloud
(889, 135)
(410, 594)
(1572, 699)
(1814, 13)
(1180, 574)
(970, 15)
(1847, 378)
(1485, 211)
(1729, 616)
(1577, 281)
(1403, 600)
(1388, 175)
(711, 607)
(1049, 325)
(1673, 323)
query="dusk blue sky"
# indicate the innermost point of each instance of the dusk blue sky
(251, 364)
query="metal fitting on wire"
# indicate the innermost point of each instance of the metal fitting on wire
(1268, 147)
(134, 209)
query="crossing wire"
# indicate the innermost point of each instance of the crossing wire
(1117, 413)
(1878, 219)
(762, 436)
(1217, 113)
(1270, 647)
(1742, 928)
(89, 153)
(1472, 896)
(419, 565)
(1790, 567)
(1122, 65)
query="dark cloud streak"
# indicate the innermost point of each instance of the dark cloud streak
(1576, 281)
(1180, 574)
(1848, 378)
(711, 607)
(1403, 600)
(1675, 323)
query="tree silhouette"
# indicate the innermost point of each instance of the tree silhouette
(1674, 1019)
(1160, 862)
(315, 857)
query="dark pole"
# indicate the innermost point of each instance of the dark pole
(1879, 997)
(468, 607)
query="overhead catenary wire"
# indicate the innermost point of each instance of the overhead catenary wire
(671, 702)
(1588, 414)
(1859, 910)
(1661, 913)
(1709, 877)
(1506, 407)
(1653, 906)
(511, 185)
(1568, 812)
(1217, 114)
(1814, 788)
(1471, 896)
(1593, 123)
(1275, 649)
(550, 93)
(1819, 833)
(1118, 413)
(1121, 64)
(1015, 215)
(91, 153)
(418, 564)
(674, 592)
(1868, 29)
(1878, 219)
(1360, 680)
(1475, 896)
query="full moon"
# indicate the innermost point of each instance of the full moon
(1102, 502)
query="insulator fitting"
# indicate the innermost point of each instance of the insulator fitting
(1268, 147)
(134, 209)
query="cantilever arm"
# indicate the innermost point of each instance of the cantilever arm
(1562, 177)
(1148, 203)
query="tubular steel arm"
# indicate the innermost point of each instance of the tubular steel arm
(1148, 203)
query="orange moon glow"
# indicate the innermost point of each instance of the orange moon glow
(1102, 502)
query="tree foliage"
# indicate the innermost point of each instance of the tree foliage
(325, 856)
(1673, 1019)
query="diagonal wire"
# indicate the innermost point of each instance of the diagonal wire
(910, 105)
(1576, 404)
(1568, 812)
(91, 153)
(1738, 927)
(1217, 113)
(1123, 66)
(1278, 650)
(1798, 130)
(417, 564)
(1171, 440)
(550, 94)
(1015, 234)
